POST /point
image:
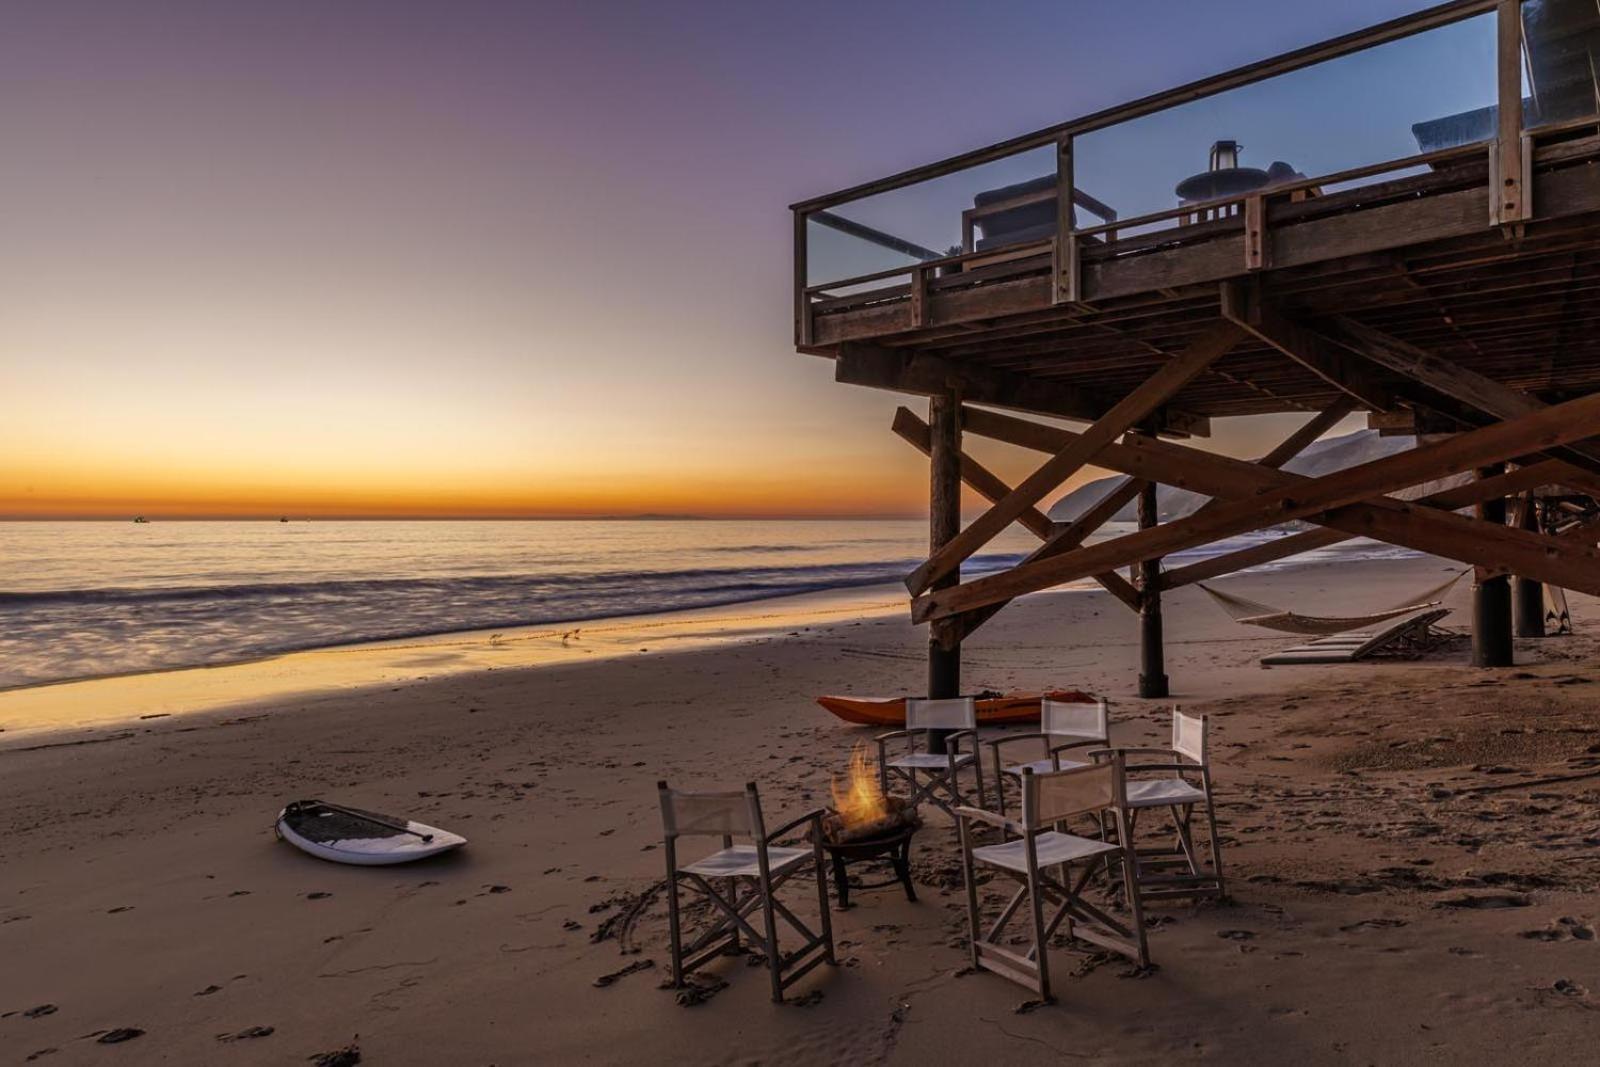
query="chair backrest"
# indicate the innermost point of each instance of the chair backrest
(955, 713)
(1055, 795)
(711, 814)
(1189, 735)
(1075, 718)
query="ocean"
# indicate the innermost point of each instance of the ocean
(83, 599)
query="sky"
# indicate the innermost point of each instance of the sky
(383, 258)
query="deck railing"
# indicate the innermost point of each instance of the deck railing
(1463, 79)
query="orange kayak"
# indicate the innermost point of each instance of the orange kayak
(992, 711)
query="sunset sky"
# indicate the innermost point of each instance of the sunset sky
(390, 258)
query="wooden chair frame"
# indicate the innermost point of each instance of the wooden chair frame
(938, 779)
(743, 895)
(1052, 752)
(1155, 864)
(1083, 920)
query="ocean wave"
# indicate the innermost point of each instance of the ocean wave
(58, 634)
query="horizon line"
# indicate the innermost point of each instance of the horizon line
(642, 517)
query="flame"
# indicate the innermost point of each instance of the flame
(859, 800)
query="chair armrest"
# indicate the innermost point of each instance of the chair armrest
(813, 817)
(1099, 755)
(991, 819)
(1006, 740)
(955, 735)
(1084, 743)
(892, 734)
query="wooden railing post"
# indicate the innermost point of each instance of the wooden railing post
(1065, 289)
(1507, 196)
(802, 302)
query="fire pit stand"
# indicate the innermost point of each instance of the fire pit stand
(894, 847)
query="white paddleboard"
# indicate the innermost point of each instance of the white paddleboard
(365, 838)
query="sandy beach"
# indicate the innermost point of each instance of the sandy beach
(1412, 850)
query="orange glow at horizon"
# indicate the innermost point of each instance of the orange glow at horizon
(315, 263)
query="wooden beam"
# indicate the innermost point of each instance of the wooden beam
(1227, 478)
(1475, 390)
(1296, 442)
(1242, 304)
(1070, 536)
(1209, 473)
(1307, 434)
(912, 429)
(920, 374)
(987, 484)
(1304, 498)
(1294, 544)
(1128, 412)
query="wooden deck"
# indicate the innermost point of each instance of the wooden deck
(1454, 294)
(1414, 257)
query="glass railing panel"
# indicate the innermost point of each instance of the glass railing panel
(1561, 55)
(1425, 93)
(989, 207)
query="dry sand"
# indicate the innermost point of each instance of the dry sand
(1413, 851)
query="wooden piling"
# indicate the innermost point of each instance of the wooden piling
(1528, 593)
(1152, 656)
(1491, 597)
(944, 522)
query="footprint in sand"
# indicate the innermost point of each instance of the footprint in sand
(247, 1034)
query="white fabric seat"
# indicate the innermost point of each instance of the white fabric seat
(1163, 792)
(740, 861)
(1053, 847)
(1043, 766)
(930, 760)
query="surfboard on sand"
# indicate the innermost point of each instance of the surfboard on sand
(365, 838)
(996, 710)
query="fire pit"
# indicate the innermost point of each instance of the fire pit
(864, 825)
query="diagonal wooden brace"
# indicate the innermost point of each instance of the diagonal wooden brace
(1108, 506)
(1340, 499)
(1124, 415)
(1478, 489)
(914, 430)
(1475, 390)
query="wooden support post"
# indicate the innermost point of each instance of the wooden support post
(1152, 659)
(1528, 593)
(1491, 597)
(944, 522)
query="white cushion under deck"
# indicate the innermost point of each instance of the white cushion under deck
(1162, 792)
(740, 860)
(925, 760)
(1044, 766)
(1052, 847)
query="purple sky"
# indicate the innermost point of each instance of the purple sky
(479, 257)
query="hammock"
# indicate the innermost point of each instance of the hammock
(1255, 613)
